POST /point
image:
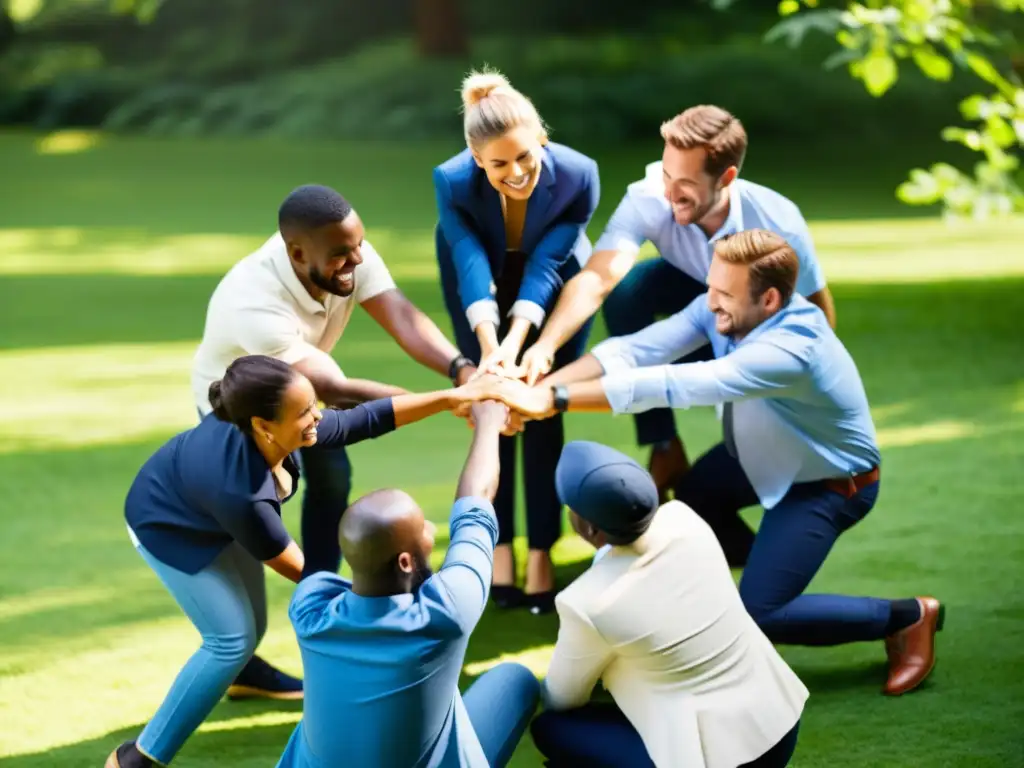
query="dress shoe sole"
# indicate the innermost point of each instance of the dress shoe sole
(239, 692)
(112, 761)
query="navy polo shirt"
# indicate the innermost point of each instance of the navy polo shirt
(210, 485)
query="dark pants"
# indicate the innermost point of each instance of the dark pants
(789, 548)
(600, 736)
(651, 290)
(542, 440)
(328, 477)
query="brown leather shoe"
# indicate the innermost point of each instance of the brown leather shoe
(112, 761)
(911, 651)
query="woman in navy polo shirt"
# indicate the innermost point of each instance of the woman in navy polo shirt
(205, 514)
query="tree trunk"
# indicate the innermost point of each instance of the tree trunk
(7, 29)
(440, 29)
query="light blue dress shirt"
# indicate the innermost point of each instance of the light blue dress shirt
(644, 214)
(800, 412)
(382, 673)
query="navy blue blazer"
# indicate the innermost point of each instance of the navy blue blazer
(557, 214)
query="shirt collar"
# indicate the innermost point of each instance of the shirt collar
(286, 274)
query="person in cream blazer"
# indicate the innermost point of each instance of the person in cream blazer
(658, 619)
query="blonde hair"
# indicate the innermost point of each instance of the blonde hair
(773, 262)
(713, 129)
(492, 107)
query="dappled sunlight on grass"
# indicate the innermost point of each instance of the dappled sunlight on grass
(260, 720)
(67, 142)
(73, 396)
(89, 251)
(933, 432)
(138, 663)
(535, 659)
(16, 606)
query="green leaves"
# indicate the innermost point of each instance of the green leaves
(874, 35)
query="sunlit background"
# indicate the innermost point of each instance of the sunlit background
(144, 149)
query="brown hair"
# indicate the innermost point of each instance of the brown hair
(713, 129)
(492, 107)
(772, 262)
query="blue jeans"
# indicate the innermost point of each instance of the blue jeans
(226, 602)
(599, 735)
(651, 290)
(795, 537)
(542, 440)
(500, 704)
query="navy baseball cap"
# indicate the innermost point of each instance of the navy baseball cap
(606, 488)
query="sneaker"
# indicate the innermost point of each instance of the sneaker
(128, 756)
(260, 680)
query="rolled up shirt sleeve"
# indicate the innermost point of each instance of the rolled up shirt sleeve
(759, 369)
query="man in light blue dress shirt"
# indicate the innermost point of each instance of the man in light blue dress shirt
(798, 439)
(382, 654)
(685, 204)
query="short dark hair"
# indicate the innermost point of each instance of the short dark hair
(312, 206)
(253, 386)
(715, 130)
(772, 261)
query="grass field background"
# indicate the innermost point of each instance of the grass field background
(109, 250)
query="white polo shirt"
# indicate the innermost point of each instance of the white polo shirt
(260, 308)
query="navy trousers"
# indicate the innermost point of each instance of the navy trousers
(789, 548)
(328, 477)
(598, 735)
(651, 290)
(541, 440)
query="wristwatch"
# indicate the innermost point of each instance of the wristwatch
(561, 397)
(457, 365)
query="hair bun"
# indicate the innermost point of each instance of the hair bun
(216, 397)
(479, 85)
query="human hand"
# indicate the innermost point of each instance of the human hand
(500, 361)
(489, 414)
(536, 363)
(528, 402)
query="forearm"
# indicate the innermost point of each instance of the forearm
(580, 298)
(412, 408)
(480, 474)
(516, 336)
(423, 341)
(346, 393)
(823, 300)
(487, 335)
(584, 369)
(289, 563)
(588, 396)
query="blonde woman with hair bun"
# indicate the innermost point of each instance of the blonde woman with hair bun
(513, 208)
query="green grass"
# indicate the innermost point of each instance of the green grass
(108, 256)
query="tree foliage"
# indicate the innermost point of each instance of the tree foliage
(876, 36)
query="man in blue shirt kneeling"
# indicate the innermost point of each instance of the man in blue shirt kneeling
(382, 654)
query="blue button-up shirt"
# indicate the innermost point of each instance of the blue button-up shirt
(800, 412)
(382, 673)
(645, 215)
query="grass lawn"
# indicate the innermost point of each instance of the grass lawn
(108, 253)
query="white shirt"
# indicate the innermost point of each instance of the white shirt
(661, 622)
(644, 214)
(260, 308)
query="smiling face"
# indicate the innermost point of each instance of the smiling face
(512, 161)
(326, 258)
(297, 417)
(730, 297)
(689, 188)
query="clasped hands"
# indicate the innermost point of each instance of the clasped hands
(498, 378)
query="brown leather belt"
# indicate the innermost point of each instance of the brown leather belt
(851, 486)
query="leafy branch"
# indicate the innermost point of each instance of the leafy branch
(936, 36)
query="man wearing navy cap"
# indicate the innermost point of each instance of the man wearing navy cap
(659, 619)
(797, 438)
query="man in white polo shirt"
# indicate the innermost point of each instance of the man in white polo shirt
(291, 299)
(684, 204)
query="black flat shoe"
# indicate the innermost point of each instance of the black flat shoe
(507, 596)
(541, 602)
